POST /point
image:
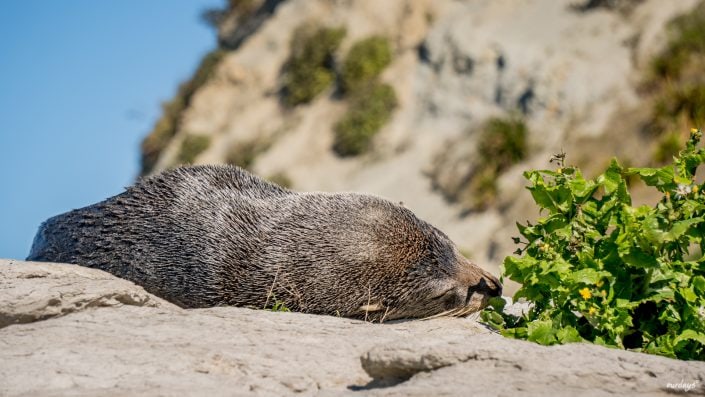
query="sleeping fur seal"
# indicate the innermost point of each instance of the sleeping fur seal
(217, 235)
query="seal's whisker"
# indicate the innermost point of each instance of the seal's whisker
(386, 311)
(465, 311)
(474, 316)
(459, 312)
(446, 313)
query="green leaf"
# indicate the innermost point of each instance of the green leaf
(638, 258)
(661, 274)
(611, 178)
(689, 334)
(517, 333)
(689, 161)
(497, 303)
(559, 266)
(555, 222)
(552, 198)
(688, 294)
(652, 231)
(542, 332)
(661, 294)
(541, 197)
(661, 178)
(621, 321)
(496, 318)
(670, 315)
(493, 319)
(625, 304)
(599, 340)
(681, 180)
(586, 276)
(581, 188)
(517, 268)
(569, 334)
(661, 350)
(680, 228)
(614, 182)
(698, 283)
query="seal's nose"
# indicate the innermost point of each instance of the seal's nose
(493, 286)
(488, 286)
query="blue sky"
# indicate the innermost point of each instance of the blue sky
(81, 83)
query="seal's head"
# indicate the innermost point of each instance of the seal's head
(432, 277)
(389, 264)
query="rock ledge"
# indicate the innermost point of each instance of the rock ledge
(69, 330)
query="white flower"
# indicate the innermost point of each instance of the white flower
(683, 190)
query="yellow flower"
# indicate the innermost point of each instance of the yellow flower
(585, 293)
(693, 130)
(695, 189)
(560, 170)
(592, 311)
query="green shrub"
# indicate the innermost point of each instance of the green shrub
(275, 304)
(364, 62)
(309, 70)
(280, 179)
(597, 269)
(244, 154)
(370, 108)
(164, 130)
(204, 72)
(684, 103)
(677, 78)
(243, 7)
(192, 146)
(482, 190)
(240, 9)
(167, 126)
(687, 38)
(667, 147)
(502, 143)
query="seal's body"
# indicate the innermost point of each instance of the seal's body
(218, 235)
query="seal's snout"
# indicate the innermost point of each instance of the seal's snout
(477, 280)
(489, 285)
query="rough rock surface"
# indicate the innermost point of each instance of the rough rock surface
(125, 348)
(39, 291)
(496, 366)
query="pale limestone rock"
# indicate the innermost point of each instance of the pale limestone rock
(33, 291)
(145, 349)
(489, 365)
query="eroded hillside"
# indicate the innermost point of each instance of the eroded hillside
(437, 104)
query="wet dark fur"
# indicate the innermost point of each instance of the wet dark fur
(218, 235)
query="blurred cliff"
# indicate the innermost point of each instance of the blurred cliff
(439, 104)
